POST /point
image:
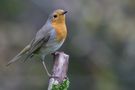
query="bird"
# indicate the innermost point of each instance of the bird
(47, 40)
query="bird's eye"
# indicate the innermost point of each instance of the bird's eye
(55, 16)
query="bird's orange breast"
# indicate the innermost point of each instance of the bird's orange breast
(61, 31)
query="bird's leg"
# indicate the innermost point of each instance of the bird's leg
(43, 62)
(50, 76)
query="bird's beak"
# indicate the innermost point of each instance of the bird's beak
(64, 12)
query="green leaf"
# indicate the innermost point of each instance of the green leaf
(63, 86)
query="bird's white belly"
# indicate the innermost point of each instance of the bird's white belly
(51, 47)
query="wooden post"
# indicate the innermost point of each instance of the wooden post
(60, 67)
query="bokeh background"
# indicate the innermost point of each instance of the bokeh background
(101, 43)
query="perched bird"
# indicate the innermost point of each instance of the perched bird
(47, 40)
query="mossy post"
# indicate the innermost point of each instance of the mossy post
(59, 79)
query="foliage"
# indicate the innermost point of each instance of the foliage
(63, 86)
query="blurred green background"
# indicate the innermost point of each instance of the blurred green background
(101, 43)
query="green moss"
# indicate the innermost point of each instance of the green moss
(63, 86)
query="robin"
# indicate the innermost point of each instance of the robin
(47, 40)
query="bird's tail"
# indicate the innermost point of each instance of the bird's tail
(20, 55)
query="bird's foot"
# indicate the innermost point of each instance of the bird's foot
(48, 74)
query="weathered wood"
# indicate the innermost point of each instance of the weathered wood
(60, 67)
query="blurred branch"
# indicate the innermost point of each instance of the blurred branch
(59, 80)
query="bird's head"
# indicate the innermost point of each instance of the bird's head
(58, 16)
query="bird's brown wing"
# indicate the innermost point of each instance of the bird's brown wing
(30, 49)
(36, 45)
(41, 38)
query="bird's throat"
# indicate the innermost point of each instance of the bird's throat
(61, 31)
